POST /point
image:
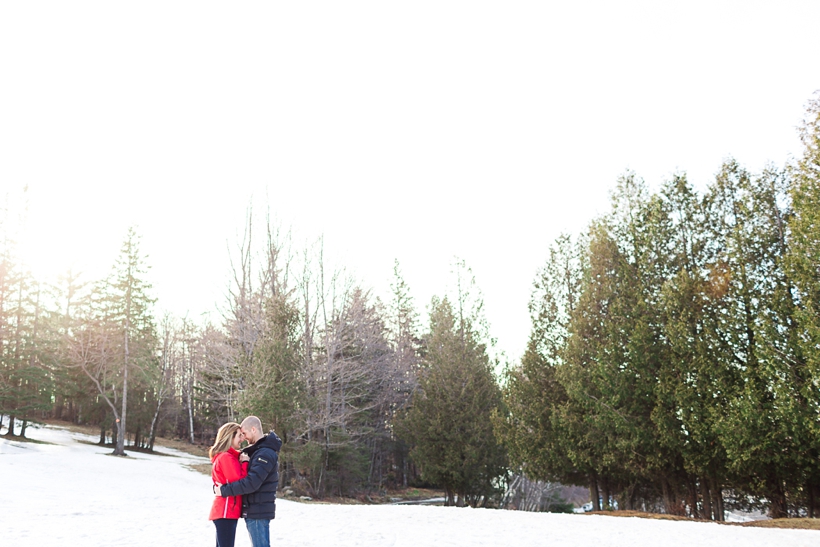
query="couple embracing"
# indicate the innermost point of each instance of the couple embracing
(245, 481)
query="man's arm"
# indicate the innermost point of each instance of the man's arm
(259, 469)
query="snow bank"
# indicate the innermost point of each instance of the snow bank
(72, 493)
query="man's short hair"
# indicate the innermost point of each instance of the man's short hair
(252, 421)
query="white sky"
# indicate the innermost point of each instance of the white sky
(416, 130)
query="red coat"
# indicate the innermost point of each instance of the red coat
(226, 468)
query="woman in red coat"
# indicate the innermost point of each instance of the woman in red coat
(226, 467)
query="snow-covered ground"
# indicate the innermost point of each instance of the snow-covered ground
(72, 493)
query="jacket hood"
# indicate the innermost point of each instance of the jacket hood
(271, 440)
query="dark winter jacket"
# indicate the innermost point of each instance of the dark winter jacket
(258, 489)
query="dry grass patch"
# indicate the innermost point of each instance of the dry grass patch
(19, 439)
(74, 428)
(204, 468)
(799, 524)
(184, 446)
(639, 514)
(177, 444)
(383, 497)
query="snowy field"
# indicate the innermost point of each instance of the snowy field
(72, 493)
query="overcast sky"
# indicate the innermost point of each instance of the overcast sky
(416, 131)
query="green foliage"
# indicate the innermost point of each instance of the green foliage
(272, 387)
(448, 424)
(530, 429)
(801, 390)
(560, 507)
(672, 359)
(26, 381)
(684, 365)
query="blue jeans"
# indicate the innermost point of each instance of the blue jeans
(259, 530)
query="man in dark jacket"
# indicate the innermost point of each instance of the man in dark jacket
(258, 489)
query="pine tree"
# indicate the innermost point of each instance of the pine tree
(533, 396)
(117, 334)
(273, 389)
(405, 342)
(25, 379)
(802, 261)
(448, 423)
(755, 332)
(694, 384)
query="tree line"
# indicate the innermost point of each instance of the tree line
(672, 363)
(306, 348)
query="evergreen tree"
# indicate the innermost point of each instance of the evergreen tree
(72, 391)
(448, 423)
(117, 335)
(405, 344)
(533, 396)
(746, 222)
(273, 389)
(694, 384)
(803, 257)
(25, 379)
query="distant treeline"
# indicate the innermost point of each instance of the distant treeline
(673, 363)
(328, 366)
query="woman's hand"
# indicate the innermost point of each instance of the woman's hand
(244, 457)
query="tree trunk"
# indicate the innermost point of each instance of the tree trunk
(693, 498)
(778, 507)
(322, 471)
(667, 500)
(152, 433)
(191, 404)
(706, 494)
(121, 422)
(191, 418)
(605, 486)
(626, 498)
(10, 432)
(372, 464)
(119, 439)
(717, 499)
(23, 428)
(58, 408)
(721, 512)
(594, 494)
(102, 434)
(119, 450)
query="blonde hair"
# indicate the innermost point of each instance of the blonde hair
(224, 437)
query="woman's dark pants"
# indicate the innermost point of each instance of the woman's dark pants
(225, 532)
